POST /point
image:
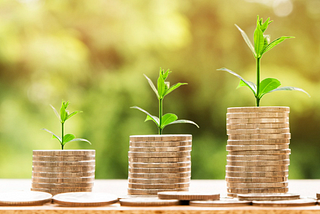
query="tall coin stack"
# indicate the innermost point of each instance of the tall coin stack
(258, 150)
(159, 163)
(59, 171)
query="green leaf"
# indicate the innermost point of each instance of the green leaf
(80, 139)
(63, 111)
(251, 85)
(54, 135)
(174, 87)
(164, 74)
(289, 88)
(152, 86)
(247, 40)
(72, 114)
(264, 26)
(161, 87)
(184, 121)
(153, 118)
(258, 40)
(167, 119)
(275, 42)
(67, 138)
(268, 85)
(56, 112)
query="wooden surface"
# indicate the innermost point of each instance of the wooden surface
(307, 188)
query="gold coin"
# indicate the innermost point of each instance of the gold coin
(224, 202)
(257, 168)
(63, 169)
(159, 170)
(63, 180)
(258, 115)
(258, 136)
(161, 144)
(84, 199)
(160, 175)
(258, 126)
(257, 185)
(63, 158)
(61, 185)
(258, 190)
(256, 147)
(63, 163)
(188, 196)
(55, 191)
(259, 142)
(257, 131)
(286, 203)
(257, 157)
(256, 179)
(160, 160)
(268, 196)
(158, 138)
(132, 191)
(148, 201)
(262, 152)
(158, 180)
(45, 174)
(24, 198)
(259, 109)
(160, 149)
(242, 174)
(231, 121)
(63, 152)
(159, 186)
(259, 163)
(159, 165)
(159, 154)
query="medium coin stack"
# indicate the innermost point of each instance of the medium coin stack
(159, 163)
(59, 171)
(258, 150)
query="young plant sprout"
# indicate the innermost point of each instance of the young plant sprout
(262, 44)
(63, 117)
(163, 89)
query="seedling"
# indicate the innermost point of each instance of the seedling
(262, 45)
(63, 117)
(163, 89)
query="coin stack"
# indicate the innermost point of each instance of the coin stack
(59, 171)
(159, 163)
(258, 150)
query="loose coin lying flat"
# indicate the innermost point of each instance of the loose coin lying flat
(54, 191)
(268, 196)
(188, 196)
(286, 203)
(22, 198)
(148, 201)
(220, 203)
(84, 199)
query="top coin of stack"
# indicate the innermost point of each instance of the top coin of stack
(58, 171)
(159, 163)
(258, 147)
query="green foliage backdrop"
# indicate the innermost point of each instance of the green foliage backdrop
(94, 54)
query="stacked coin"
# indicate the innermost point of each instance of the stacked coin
(258, 150)
(59, 171)
(159, 163)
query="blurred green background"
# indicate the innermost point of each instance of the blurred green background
(94, 54)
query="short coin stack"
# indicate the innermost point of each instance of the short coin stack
(159, 163)
(258, 150)
(59, 171)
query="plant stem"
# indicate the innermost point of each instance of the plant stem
(160, 115)
(62, 124)
(258, 81)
